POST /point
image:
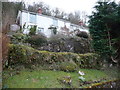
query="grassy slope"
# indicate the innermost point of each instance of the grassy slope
(48, 79)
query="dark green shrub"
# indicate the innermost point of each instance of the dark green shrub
(82, 34)
(18, 38)
(54, 29)
(16, 54)
(88, 60)
(68, 66)
(33, 30)
(37, 40)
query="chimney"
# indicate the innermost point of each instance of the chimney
(39, 11)
(81, 23)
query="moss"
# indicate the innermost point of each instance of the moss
(68, 66)
(20, 54)
(96, 85)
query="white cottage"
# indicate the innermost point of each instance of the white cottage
(43, 22)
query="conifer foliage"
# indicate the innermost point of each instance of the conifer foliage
(104, 27)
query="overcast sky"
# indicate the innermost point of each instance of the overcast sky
(70, 5)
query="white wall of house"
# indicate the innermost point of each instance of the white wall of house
(24, 18)
(43, 22)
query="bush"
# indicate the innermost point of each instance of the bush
(18, 38)
(17, 54)
(33, 30)
(82, 34)
(37, 40)
(62, 43)
(68, 66)
(20, 54)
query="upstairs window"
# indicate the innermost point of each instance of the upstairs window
(32, 18)
(55, 22)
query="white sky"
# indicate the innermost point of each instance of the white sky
(70, 5)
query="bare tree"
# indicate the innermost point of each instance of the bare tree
(84, 16)
(56, 12)
(45, 8)
(74, 17)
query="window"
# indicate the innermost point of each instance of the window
(55, 22)
(40, 30)
(32, 18)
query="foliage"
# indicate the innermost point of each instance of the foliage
(104, 25)
(16, 54)
(68, 66)
(54, 29)
(19, 38)
(82, 34)
(24, 55)
(63, 43)
(33, 30)
(37, 40)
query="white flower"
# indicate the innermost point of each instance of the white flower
(81, 73)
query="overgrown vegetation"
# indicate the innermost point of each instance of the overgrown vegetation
(33, 30)
(82, 34)
(27, 56)
(36, 40)
(18, 38)
(63, 43)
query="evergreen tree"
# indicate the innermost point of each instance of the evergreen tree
(103, 23)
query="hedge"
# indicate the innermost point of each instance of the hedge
(27, 56)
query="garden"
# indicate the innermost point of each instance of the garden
(80, 61)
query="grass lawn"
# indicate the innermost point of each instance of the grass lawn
(49, 79)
